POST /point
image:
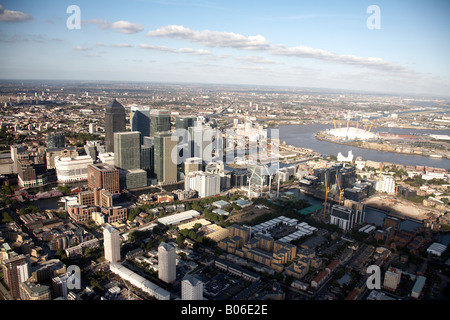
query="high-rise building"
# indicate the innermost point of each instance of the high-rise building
(159, 121)
(111, 243)
(192, 164)
(114, 122)
(56, 140)
(191, 288)
(103, 176)
(386, 184)
(167, 262)
(59, 285)
(147, 160)
(185, 122)
(392, 278)
(205, 183)
(140, 121)
(127, 150)
(165, 167)
(342, 216)
(15, 271)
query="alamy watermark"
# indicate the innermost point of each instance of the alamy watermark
(74, 20)
(74, 280)
(213, 145)
(374, 20)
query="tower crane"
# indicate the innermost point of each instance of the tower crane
(326, 198)
(341, 191)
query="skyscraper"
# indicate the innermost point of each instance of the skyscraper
(103, 176)
(127, 150)
(15, 271)
(140, 121)
(114, 122)
(159, 121)
(56, 140)
(185, 122)
(165, 168)
(167, 262)
(111, 243)
(191, 288)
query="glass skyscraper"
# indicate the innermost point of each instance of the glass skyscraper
(159, 121)
(127, 146)
(140, 121)
(114, 122)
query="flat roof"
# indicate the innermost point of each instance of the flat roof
(178, 217)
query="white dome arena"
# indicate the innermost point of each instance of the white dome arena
(352, 133)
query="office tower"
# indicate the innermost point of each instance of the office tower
(140, 121)
(185, 122)
(16, 149)
(103, 176)
(147, 161)
(191, 288)
(127, 150)
(205, 183)
(165, 167)
(159, 121)
(114, 122)
(342, 216)
(15, 271)
(192, 164)
(205, 143)
(59, 285)
(56, 140)
(167, 262)
(111, 243)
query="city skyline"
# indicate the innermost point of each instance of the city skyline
(299, 44)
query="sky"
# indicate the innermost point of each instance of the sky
(401, 48)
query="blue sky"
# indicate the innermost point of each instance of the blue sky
(324, 44)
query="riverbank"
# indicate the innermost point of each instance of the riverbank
(380, 147)
(401, 207)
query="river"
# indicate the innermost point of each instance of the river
(304, 136)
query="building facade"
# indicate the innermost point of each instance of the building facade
(127, 150)
(72, 169)
(159, 121)
(111, 243)
(114, 122)
(165, 168)
(191, 288)
(167, 262)
(103, 176)
(140, 121)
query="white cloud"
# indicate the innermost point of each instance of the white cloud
(118, 26)
(212, 38)
(238, 41)
(80, 48)
(256, 60)
(323, 55)
(180, 50)
(13, 16)
(126, 27)
(121, 45)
